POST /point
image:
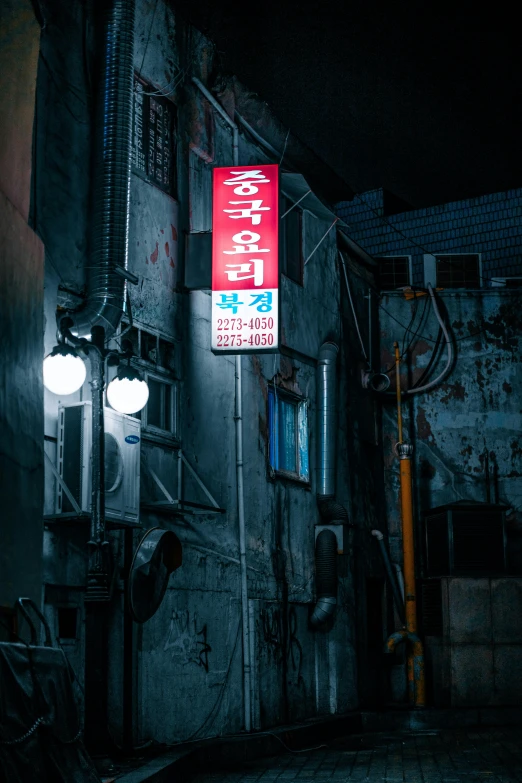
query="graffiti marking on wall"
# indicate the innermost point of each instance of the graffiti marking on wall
(186, 643)
(283, 641)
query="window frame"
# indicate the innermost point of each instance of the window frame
(410, 269)
(302, 406)
(431, 271)
(173, 432)
(161, 374)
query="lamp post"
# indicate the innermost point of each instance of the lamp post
(64, 373)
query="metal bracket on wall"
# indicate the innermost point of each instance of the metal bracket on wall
(178, 504)
(61, 482)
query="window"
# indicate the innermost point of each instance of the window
(288, 434)
(155, 357)
(394, 272)
(291, 229)
(458, 271)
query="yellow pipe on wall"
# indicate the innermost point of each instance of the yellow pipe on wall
(416, 681)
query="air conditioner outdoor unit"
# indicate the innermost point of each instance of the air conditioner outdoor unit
(122, 461)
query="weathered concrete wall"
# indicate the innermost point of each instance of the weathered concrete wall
(465, 431)
(21, 322)
(19, 40)
(187, 677)
(21, 407)
(478, 658)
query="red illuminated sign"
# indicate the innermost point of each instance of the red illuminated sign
(245, 264)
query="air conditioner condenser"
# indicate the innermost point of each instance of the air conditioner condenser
(122, 461)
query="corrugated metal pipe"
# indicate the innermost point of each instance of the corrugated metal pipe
(329, 509)
(325, 577)
(107, 266)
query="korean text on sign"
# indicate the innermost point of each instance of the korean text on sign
(245, 264)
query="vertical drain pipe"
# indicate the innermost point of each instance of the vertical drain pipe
(330, 510)
(416, 683)
(238, 419)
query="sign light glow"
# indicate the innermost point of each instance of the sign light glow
(245, 263)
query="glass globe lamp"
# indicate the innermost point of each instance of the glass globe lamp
(63, 370)
(127, 392)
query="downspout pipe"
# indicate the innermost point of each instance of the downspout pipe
(326, 383)
(329, 509)
(106, 271)
(399, 603)
(325, 577)
(238, 419)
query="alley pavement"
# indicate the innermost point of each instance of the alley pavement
(465, 756)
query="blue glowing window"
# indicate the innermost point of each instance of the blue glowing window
(288, 434)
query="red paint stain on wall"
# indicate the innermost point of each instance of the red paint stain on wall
(154, 255)
(174, 233)
(167, 251)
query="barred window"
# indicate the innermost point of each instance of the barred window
(155, 357)
(394, 272)
(458, 271)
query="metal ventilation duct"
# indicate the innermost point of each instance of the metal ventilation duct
(106, 288)
(326, 378)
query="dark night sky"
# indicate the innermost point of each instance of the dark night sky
(424, 104)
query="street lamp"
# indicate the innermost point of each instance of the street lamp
(64, 373)
(63, 370)
(127, 392)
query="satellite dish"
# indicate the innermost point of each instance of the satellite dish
(157, 556)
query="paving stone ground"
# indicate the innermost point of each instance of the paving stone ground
(481, 756)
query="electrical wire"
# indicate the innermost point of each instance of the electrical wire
(431, 362)
(449, 345)
(408, 330)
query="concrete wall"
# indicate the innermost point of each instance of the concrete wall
(477, 660)
(21, 323)
(186, 660)
(475, 412)
(489, 225)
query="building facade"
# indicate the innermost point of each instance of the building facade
(180, 675)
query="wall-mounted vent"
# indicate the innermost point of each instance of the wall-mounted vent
(466, 539)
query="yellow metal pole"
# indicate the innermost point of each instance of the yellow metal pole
(416, 685)
(398, 387)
